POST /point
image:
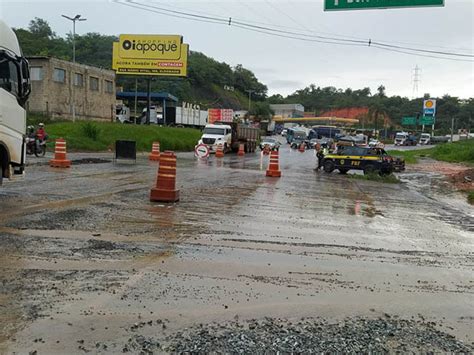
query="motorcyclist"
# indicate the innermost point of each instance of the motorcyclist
(41, 133)
(30, 132)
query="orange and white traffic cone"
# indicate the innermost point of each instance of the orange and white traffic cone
(155, 152)
(274, 167)
(301, 148)
(60, 160)
(220, 151)
(165, 190)
(241, 151)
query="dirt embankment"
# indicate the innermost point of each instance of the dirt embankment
(461, 176)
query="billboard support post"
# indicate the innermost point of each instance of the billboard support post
(148, 100)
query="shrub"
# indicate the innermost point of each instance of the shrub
(90, 130)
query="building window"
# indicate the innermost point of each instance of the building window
(94, 83)
(59, 75)
(36, 73)
(109, 86)
(78, 79)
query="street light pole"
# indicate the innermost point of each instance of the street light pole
(71, 82)
(250, 94)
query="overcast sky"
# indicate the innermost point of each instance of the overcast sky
(286, 65)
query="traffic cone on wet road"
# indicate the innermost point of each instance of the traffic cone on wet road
(60, 160)
(155, 152)
(241, 151)
(301, 148)
(220, 151)
(273, 168)
(165, 190)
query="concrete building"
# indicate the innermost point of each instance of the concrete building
(54, 82)
(288, 110)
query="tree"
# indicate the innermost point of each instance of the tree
(261, 110)
(40, 28)
(381, 91)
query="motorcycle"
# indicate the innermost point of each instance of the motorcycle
(35, 146)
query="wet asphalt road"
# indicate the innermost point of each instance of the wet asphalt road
(88, 261)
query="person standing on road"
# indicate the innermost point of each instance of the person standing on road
(320, 156)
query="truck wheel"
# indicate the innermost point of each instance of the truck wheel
(3, 164)
(386, 170)
(328, 166)
(369, 169)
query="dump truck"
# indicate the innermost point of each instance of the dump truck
(230, 135)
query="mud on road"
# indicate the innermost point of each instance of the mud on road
(89, 264)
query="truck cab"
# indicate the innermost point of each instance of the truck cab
(214, 134)
(15, 88)
(401, 138)
(425, 139)
(122, 114)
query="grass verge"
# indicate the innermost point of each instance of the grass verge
(101, 136)
(388, 179)
(411, 156)
(457, 152)
(470, 197)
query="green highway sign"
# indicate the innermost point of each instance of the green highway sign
(426, 120)
(408, 121)
(331, 5)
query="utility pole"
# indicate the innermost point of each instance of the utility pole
(250, 95)
(452, 129)
(135, 103)
(71, 82)
(416, 80)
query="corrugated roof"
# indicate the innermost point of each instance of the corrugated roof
(141, 95)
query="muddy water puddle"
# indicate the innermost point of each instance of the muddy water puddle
(96, 257)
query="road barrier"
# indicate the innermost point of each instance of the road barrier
(220, 151)
(60, 160)
(165, 190)
(274, 167)
(125, 149)
(241, 151)
(155, 152)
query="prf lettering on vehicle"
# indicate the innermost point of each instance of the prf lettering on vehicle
(157, 47)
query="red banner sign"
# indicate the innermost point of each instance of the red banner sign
(220, 115)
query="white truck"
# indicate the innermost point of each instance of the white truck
(15, 88)
(425, 139)
(230, 135)
(122, 114)
(404, 138)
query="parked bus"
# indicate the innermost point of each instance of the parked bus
(319, 132)
(296, 133)
(15, 88)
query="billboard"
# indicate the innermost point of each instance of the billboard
(150, 55)
(134, 46)
(220, 115)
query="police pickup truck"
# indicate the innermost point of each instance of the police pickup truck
(370, 160)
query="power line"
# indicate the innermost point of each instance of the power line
(289, 34)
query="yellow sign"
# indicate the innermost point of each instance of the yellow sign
(162, 67)
(150, 46)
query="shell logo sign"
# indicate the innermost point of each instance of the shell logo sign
(429, 107)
